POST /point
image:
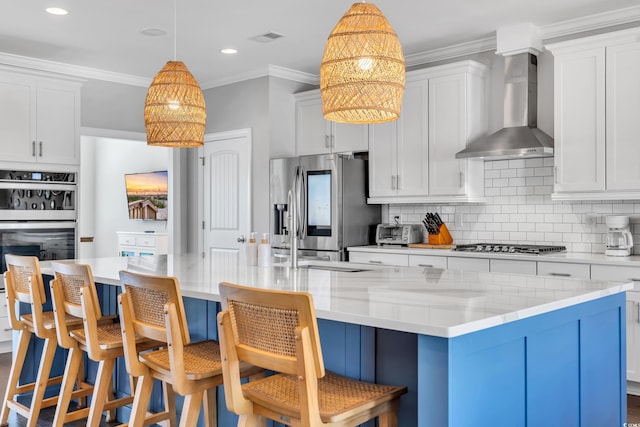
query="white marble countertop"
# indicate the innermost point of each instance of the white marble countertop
(575, 257)
(430, 301)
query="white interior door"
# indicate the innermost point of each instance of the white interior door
(226, 197)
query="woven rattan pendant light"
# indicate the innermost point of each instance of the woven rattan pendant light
(362, 74)
(175, 114)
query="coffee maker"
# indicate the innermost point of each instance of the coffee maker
(619, 238)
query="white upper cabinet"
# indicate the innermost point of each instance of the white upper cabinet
(597, 131)
(412, 160)
(399, 150)
(39, 119)
(315, 135)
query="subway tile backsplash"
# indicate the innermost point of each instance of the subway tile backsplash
(519, 209)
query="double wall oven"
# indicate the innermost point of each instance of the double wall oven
(38, 214)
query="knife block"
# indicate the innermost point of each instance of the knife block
(442, 238)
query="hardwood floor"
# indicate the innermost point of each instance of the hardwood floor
(633, 403)
(46, 416)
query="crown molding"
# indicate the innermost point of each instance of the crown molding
(71, 70)
(558, 29)
(461, 49)
(591, 22)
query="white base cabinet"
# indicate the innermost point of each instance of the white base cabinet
(5, 329)
(141, 244)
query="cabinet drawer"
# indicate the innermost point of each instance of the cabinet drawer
(512, 266)
(127, 240)
(468, 264)
(615, 272)
(564, 269)
(380, 259)
(3, 305)
(147, 242)
(5, 329)
(428, 261)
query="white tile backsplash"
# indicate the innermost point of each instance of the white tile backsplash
(519, 209)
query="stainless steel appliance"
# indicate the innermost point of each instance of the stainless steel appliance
(332, 212)
(37, 214)
(510, 248)
(399, 234)
(619, 238)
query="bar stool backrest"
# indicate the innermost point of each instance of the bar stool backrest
(266, 324)
(147, 297)
(23, 282)
(67, 288)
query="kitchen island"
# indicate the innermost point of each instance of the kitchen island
(473, 348)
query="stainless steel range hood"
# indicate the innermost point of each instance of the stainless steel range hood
(520, 137)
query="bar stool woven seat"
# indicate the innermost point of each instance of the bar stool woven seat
(278, 331)
(74, 293)
(23, 283)
(152, 306)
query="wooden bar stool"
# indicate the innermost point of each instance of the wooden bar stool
(23, 283)
(278, 330)
(73, 292)
(152, 307)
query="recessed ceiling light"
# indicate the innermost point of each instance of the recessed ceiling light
(153, 32)
(229, 51)
(56, 11)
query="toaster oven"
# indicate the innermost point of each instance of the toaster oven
(399, 234)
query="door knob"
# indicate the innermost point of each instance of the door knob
(241, 239)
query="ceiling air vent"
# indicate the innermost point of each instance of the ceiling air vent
(267, 37)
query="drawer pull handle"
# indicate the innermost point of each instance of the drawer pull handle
(634, 279)
(8, 329)
(560, 274)
(425, 265)
(375, 262)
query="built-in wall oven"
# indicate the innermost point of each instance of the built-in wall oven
(38, 214)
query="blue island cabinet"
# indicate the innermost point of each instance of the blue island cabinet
(566, 367)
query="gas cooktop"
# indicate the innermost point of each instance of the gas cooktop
(510, 248)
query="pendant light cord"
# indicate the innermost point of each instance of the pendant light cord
(175, 29)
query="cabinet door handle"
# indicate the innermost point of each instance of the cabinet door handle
(560, 274)
(638, 312)
(634, 279)
(333, 141)
(398, 182)
(425, 265)
(393, 182)
(555, 174)
(326, 141)
(461, 179)
(8, 329)
(375, 262)
(33, 148)
(40, 148)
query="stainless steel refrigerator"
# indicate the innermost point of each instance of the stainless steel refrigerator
(333, 212)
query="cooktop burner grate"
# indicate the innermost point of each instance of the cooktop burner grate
(510, 248)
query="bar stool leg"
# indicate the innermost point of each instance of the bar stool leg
(141, 400)
(80, 380)
(191, 409)
(14, 374)
(250, 420)
(74, 362)
(101, 392)
(210, 403)
(170, 403)
(46, 361)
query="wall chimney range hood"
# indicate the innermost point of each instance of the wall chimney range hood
(520, 137)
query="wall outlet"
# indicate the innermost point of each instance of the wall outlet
(590, 219)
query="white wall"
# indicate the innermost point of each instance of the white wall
(103, 197)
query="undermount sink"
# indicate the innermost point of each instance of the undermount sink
(334, 268)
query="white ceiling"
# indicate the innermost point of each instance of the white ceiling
(104, 35)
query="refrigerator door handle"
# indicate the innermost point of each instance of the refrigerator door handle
(301, 189)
